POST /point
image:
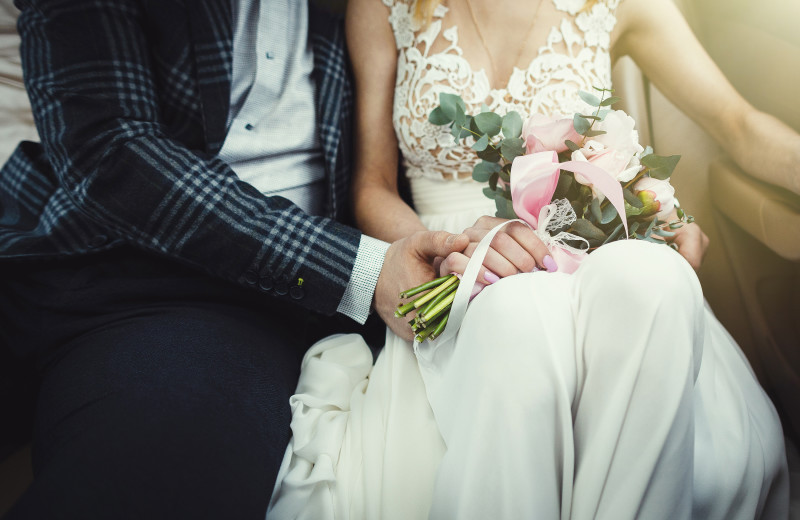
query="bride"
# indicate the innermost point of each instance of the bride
(613, 392)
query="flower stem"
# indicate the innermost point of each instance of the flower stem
(419, 302)
(424, 287)
(422, 336)
(441, 306)
(431, 304)
(439, 327)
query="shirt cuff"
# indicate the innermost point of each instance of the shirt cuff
(357, 299)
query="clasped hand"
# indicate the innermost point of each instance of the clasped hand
(517, 249)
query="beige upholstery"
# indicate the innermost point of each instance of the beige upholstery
(16, 123)
(751, 275)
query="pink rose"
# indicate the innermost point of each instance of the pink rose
(657, 196)
(543, 134)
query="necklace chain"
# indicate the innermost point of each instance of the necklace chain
(486, 47)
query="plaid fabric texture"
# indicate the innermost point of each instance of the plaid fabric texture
(130, 100)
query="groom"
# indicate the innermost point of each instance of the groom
(171, 248)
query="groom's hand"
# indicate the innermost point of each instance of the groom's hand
(515, 249)
(409, 263)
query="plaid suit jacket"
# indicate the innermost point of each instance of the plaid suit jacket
(130, 99)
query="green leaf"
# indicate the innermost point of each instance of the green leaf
(483, 170)
(660, 167)
(512, 147)
(610, 101)
(587, 230)
(580, 123)
(493, 181)
(609, 214)
(614, 234)
(485, 108)
(491, 154)
(488, 192)
(590, 99)
(504, 208)
(572, 146)
(481, 143)
(448, 104)
(489, 123)
(594, 207)
(594, 133)
(632, 199)
(663, 233)
(438, 117)
(564, 183)
(512, 124)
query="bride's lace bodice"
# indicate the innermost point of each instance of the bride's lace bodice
(430, 61)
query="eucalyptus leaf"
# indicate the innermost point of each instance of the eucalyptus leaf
(594, 133)
(512, 124)
(632, 211)
(490, 154)
(587, 230)
(610, 101)
(493, 178)
(489, 192)
(504, 207)
(573, 147)
(438, 117)
(481, 144)
(632, 199)
(633, 227)
(489, 123)
(663, 233)
(485, 108)
(609, 214)
(483, 170)
(590, 99)
(580, 123)
(596, 212)
(448, 104)
(512, 147)
(614, 234)
(661, 167)
(564, 183)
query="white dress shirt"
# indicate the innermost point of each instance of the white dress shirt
(272, 140)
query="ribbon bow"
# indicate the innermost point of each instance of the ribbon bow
(534, 178)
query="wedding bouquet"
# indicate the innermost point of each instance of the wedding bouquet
(578, 182)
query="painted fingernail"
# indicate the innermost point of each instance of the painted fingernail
(549, 264)
(490, 277)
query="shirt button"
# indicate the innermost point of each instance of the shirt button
(249, 127)
(270, 56)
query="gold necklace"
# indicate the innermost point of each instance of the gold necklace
(486, 47)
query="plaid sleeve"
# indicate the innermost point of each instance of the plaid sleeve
(97, 104)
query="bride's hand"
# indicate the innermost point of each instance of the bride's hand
(692, 244)
(515, 249)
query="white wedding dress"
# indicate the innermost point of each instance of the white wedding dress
(610, 393)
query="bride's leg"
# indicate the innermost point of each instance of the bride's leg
(639, 331)
(509, 387)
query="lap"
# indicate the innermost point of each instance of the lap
(162, 391)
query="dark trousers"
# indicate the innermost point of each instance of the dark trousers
(164, 392)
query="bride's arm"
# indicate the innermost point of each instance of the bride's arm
(378, 208)
(655, 35)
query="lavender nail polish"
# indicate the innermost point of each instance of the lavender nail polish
(490, 277)
(550, 264)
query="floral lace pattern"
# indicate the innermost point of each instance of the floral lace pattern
(575, 57)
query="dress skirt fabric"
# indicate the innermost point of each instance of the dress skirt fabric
(610, 393)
